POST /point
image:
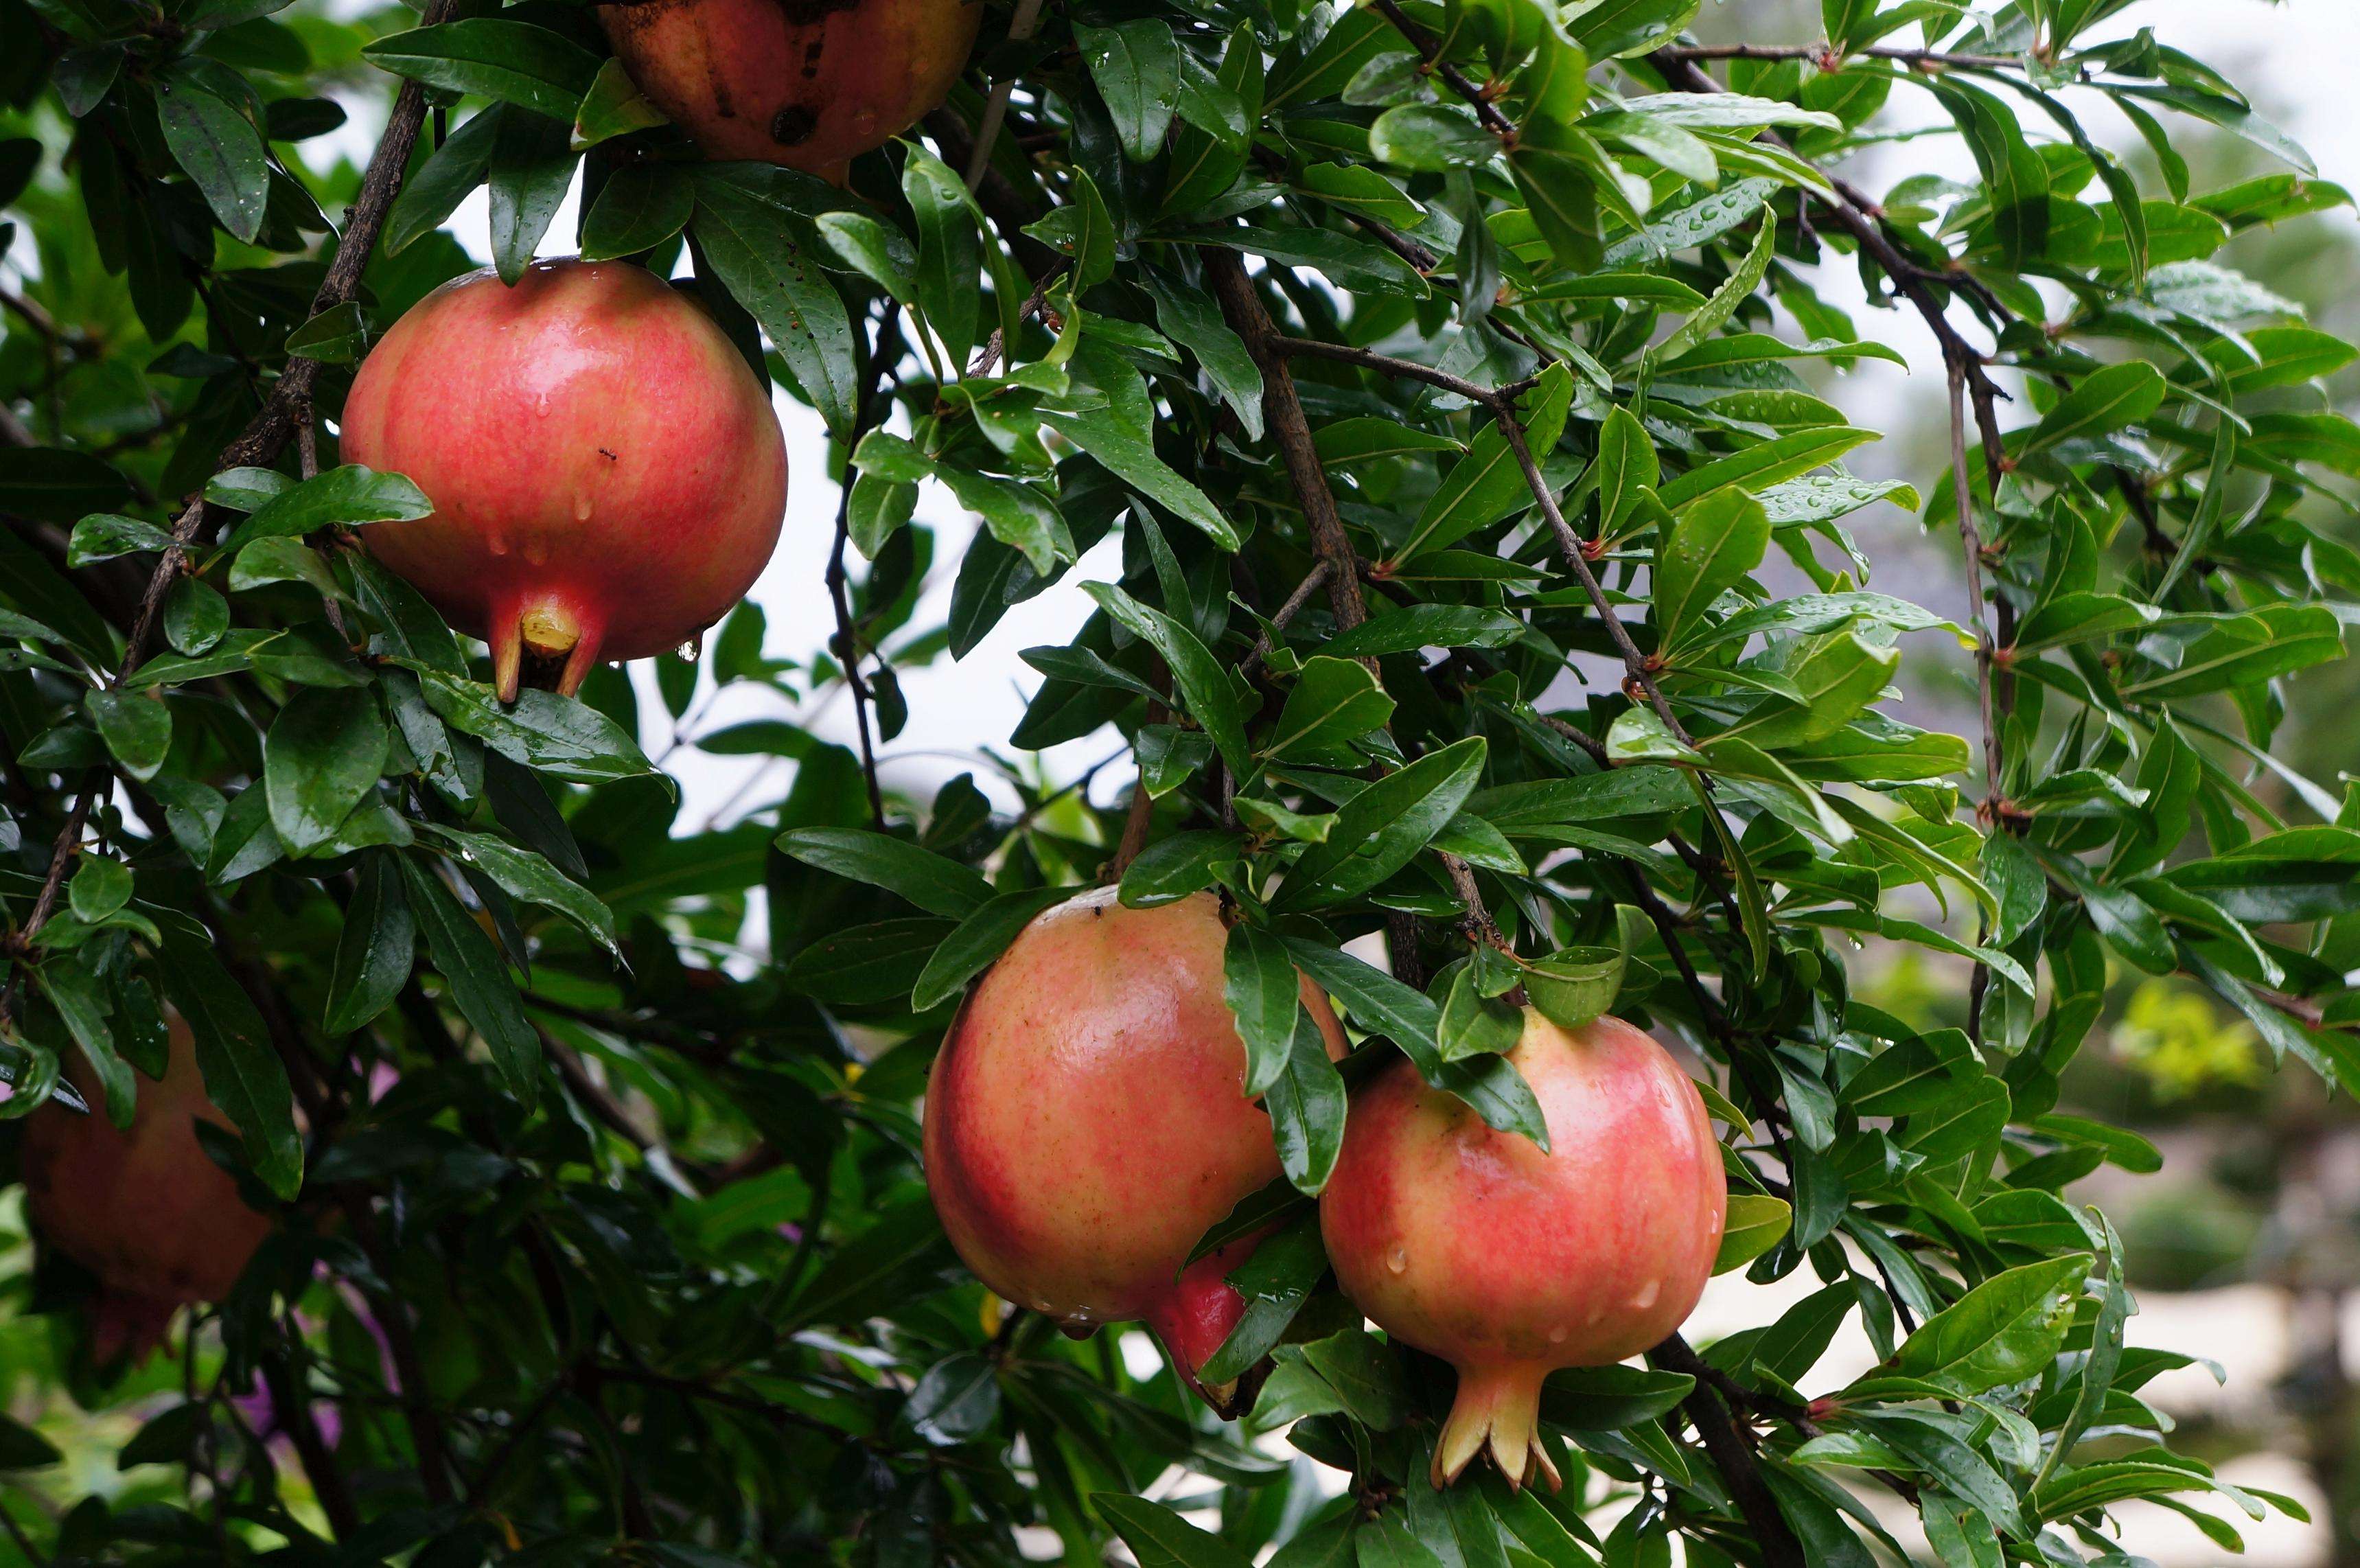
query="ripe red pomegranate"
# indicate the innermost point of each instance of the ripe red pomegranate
(1509, 1263)
(808, 83)
(145, 1208)
(608, 476)
(1087, 1123)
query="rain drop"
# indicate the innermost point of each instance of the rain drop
(693, 650)
(1556, 1334)
(1646, 1296)
(1397, 1259)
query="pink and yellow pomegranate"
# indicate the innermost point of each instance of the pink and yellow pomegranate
(808, 83)
(608, 476)
(1086, 1124)
(1475, 1247)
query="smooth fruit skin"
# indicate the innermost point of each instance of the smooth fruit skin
(808, 83)
(1087, 1123)
(608, 476)
(1477, 1246)
(146, 1209)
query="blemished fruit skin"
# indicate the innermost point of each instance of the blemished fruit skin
(607, 474)
(144, 1208)
(808, 83)
(1087, 1123)
(1509, 1262)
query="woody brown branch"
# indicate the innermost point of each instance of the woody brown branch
(1291, 431)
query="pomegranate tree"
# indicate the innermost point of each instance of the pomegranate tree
(608, 476)
(143, 1208)
(1475, 1245)
(808, 83)
(1087, 1123)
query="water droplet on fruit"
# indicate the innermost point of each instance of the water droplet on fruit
(1646, 1296)
(693, 650)
(1397, 1259)
(581, 508)
(540, 405)
(496, 544)
(1715, 1229)
(1556, 1334)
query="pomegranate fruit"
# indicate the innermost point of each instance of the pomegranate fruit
(144, 1208)
(608, 476)
(808, 83)
(1087, 1123)
(1474, 1245)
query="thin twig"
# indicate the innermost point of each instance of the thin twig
(524, 1428)
(1477, 97)
(1639, 671)
(293, 1408)
(1831, 58)
(24, 1542)
(995, 108)
(595, 1097)
(1970, 383)
(866, 416)
(1312, 581)
(1863, 219)
(1589, 743)
(434, 1467)
(1971, 538)
(996, 345)
(1386, 364)
(1136, 820)
(688, 1387)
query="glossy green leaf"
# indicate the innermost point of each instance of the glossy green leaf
(321, 758)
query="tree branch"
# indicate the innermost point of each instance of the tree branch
(1733, 1456)
(294, 1409)
(1386, 364)
(1282, 408)
(267, 434)
(1282, 413)
(594, 1097)
(1478, 96)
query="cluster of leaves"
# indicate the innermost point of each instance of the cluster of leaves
(601, 1221)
